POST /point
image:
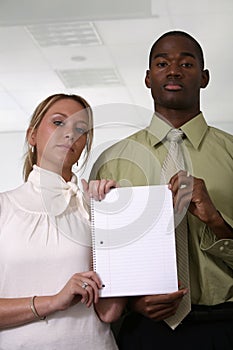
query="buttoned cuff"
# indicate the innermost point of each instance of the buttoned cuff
(220, 248)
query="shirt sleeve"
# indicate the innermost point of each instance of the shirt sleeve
(219, 248)
(101, 170)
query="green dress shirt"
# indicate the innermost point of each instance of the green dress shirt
(137, 160)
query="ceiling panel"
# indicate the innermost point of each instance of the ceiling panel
(37, 45)
(31, 11)
(196, 7)
(14, 38)
(78, 57)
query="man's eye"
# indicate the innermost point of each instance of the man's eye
(58, 122)
(187, 65)
(162, 64)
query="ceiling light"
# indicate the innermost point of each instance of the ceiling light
(65, 34)
(73, 78)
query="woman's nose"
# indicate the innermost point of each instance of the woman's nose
(69, 134)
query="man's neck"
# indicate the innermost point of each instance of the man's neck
(176, 118)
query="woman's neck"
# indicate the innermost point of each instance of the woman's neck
(65, 173)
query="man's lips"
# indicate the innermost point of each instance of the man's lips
(173, 86)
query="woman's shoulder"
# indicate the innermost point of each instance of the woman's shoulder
(12, 191)
(7, 198)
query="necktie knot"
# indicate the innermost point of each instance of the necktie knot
(175, 135)
(174, 160)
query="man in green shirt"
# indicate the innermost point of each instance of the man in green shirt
(175, 76)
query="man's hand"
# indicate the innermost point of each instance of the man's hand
(191, 193)
(158, 307)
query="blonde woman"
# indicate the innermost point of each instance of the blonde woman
(48, 292)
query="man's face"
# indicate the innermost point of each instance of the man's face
(176, 76)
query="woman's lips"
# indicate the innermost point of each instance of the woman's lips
(66, 148)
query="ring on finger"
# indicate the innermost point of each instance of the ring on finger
(85, 285)
(188, 174)
(183, 186)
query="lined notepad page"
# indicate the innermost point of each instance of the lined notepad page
(134, 241)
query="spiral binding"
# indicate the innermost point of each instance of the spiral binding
(93, 235)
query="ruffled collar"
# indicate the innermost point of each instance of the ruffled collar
(56, 193)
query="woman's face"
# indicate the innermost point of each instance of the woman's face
(61, 136)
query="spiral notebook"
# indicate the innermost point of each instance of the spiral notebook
(133, 241)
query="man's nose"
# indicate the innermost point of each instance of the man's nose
(174, 70)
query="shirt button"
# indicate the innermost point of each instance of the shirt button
(221, 248)
(226, 242)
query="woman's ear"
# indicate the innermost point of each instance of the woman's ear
(147, 79)
(205, 78)
(31, 136)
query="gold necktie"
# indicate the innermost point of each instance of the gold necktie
(172, 164)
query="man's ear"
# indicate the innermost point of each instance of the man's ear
(147, 79)
(31, 136)
(205, 78)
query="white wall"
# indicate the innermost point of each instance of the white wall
(106, 133)
(11, 153)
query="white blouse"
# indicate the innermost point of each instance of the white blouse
(45, 239)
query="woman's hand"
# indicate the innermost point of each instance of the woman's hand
(82, 287)
(97, 189)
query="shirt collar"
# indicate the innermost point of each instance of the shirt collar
(194, 130)
(56, 193)
(51, 179)
(158, 129)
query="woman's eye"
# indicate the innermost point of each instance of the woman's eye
(81, 131)
(58, 122)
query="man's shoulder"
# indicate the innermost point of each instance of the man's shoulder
(121, 145)
(221, 135)
(112, 156)
(221, 132)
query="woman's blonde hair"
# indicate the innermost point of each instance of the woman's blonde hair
(39, 113)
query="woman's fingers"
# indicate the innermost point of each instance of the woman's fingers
(87, 294)
(97, 189)
(92, 290)
(82, 287)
